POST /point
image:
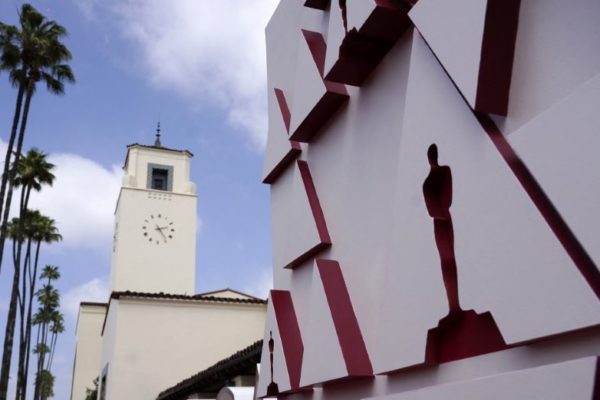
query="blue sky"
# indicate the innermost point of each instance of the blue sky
(199, 66)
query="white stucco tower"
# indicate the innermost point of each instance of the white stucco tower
(155, 223)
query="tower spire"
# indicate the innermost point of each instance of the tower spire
(157, 140)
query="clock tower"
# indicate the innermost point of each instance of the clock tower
(154, 247)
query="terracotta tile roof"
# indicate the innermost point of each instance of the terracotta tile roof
(215, 377)
(196, 297)
(159, 148)
(200, 298)
(129, 146)
(93, 303)
(228, 289)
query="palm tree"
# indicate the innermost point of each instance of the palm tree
(50, 323)
(33, 172)
(38, 229)
(9, 60)
(31, 54)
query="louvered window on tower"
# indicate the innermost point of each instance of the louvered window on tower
(160, 177)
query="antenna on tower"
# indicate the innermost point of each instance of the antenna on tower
(157, 140)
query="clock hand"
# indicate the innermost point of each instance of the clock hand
(161, 232)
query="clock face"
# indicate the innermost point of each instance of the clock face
(157, 229)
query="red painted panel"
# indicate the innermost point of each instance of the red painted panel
(317, 212)
(289, 331)
(318, 4)
(283, 107)
(346, 325)
(596, 393)
(461, 335)
(313, 199)
(497, 53)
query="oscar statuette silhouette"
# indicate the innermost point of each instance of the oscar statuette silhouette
(459, 334)
(272, 389)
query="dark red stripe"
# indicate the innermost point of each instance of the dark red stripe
(289, 332)
(553, 218)
(319, 218)
(346, 325)
(313, 200)
(318, 48)
(283, 107)
(497, 54)
(295, 149)
(596, 393)
(317, 4)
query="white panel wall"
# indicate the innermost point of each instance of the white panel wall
(369, 162)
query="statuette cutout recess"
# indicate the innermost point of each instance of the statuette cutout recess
(461, 333)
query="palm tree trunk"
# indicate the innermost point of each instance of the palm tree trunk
(41, 358)
(5, 172)
(10, 321)
(9, 334)
(11, 176)
(53, 341)
(21, 295)
(36, 388)
(26, 296)
(29, 312)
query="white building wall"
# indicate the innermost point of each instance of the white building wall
(89, 348)
(141, 265)
(144, 258)
(161, 342)
(110, 340)
(136, 170)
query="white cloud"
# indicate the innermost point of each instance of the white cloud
(81, 201)
(261, 286)
(95, 290)
(210, 52)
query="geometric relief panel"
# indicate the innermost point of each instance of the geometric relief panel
(280, 151)
(475, 42)
(332, 331)
(316, 99)
(573, 380)
(503, 249)
(555, 53)
(360, 33)
(282, 351)
(568, 168)
(298, 223)
(281, 35)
